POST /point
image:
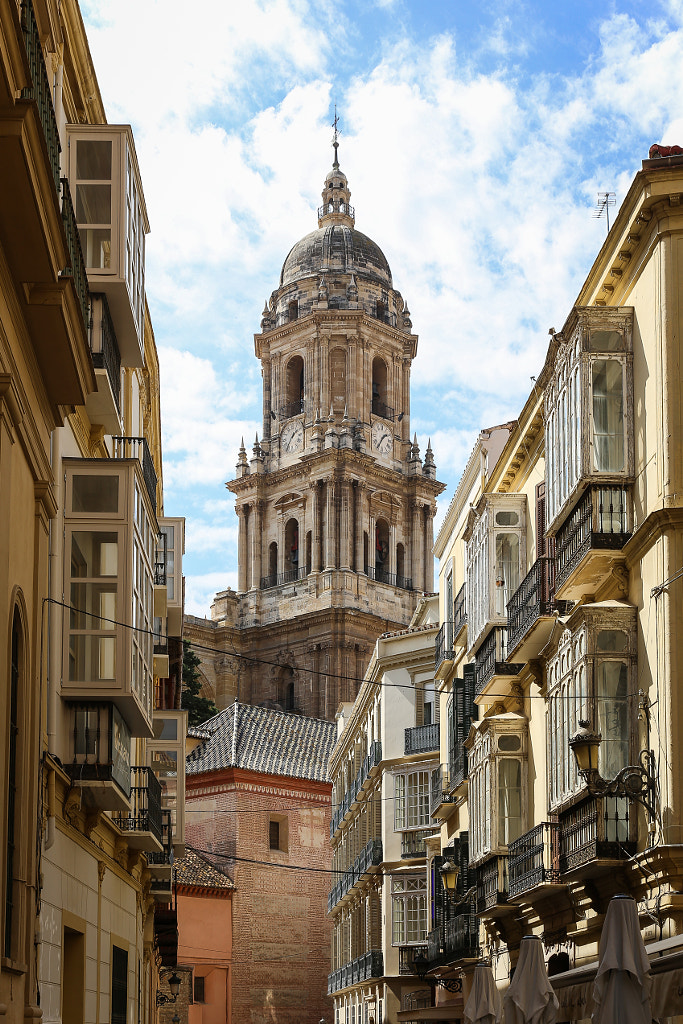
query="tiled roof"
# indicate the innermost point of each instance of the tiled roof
(265, 740)
(194, 870)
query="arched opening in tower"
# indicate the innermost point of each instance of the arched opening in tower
(379, 387)
(294, 394)
(381, 549)
(400, 561)
(272, 559)
(291, 545)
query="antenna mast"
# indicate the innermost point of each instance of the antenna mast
(604, 201)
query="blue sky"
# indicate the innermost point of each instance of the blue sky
(475, 138)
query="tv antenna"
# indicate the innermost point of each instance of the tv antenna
(604, 201)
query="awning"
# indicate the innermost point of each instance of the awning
(666, 994)
(576, 1001)
(448, 1012)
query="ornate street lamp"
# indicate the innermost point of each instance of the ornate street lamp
(636, 781)
(174, 985)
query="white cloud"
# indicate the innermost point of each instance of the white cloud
(201, 589)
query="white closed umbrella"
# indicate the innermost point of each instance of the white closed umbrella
(621, 992)
(530, 999)
(484, 1005)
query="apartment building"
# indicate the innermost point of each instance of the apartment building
(560, 592)
(382, 899)
(91, 590)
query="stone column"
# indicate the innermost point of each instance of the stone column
(371, 544)
(345, 525)
(325, 377)
(359, 493)
(392, 547)
(267, 406)
(256, 543)
(429, 544)
(417, 546)
(331, 525)
(242, 549)
(316, 553)
(405, 404)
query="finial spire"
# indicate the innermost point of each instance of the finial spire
(335, 139)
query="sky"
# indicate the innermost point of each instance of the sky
(476, 138)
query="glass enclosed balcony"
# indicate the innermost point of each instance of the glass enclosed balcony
(112, 224)
(108, 577)
(99, 755)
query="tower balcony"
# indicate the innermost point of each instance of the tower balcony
(390, 578)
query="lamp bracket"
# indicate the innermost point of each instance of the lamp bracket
(636, 782)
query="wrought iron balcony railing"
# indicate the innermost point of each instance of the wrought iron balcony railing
(490, 659)
(291, 409)
(278, 579)
(370, 856)
(443, 645)
(406, 957)
(145, 801)
(596, 828)
(336, 206)
(370, 761)
(602, 519)
(160, 859)
(455, 939)
(440, 790)
(531, 600)
(76, 270)
(105, 348)
(394, 580)
(534, 858)
(363, 968)
(381, 409)
(40, 90)
(413, 843)
(137, 448)
(422, 739)
(492, 883)
(458, 768)
(459, 610)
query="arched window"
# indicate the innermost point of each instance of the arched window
(272, 559)
(291, 546)
(309, 547)
(379, 389)
(294, 388)
(293, 310)
(381, 549)
(338, 379)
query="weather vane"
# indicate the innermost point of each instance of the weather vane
(335, 138)
(605, 200)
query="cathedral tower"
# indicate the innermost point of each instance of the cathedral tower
(335, 504)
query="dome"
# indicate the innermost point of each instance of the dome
(336, 247)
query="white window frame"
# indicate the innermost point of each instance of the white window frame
(409, 892)
(419, 798)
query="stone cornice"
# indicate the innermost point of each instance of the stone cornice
(335, 461)
(338, 318)
(651, 530)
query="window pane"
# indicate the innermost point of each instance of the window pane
(608, 416)
(612, 716)
(606, 341)
(93, 160)
(96, 246)
(507, 569)
(509, 800)
(95, 494)
(94, 553)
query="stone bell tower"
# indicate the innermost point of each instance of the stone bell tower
(335, 503)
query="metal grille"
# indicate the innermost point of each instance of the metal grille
(40, 90)
(108, 357)
(137, 448)
(535, 858)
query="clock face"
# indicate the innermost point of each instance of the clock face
(382, 439)
(292, 436)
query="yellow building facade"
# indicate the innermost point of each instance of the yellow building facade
(560, 595)
(92, 740)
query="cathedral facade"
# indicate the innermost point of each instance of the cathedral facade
(335, 503)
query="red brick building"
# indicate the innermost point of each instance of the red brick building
(258, 805)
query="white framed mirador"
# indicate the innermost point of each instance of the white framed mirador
(495, 558)
(589, 407)
(591, 677)
(497, 795)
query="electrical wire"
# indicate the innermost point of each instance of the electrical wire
(253, 659)
(265, 863)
